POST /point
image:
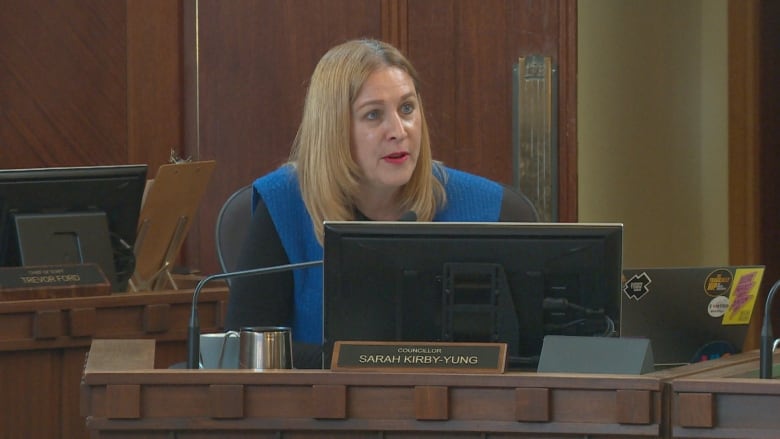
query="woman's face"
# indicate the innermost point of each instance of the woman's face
(386, 125)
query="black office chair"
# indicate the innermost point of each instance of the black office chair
(520, 207)
(232, 223)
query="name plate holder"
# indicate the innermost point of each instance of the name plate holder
(52, 282)
(436, 357)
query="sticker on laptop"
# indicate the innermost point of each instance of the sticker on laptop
(637, 287)
(718, 282)
(718, 306)
(742, 297)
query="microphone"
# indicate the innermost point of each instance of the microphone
(766, 348)
(193, 333)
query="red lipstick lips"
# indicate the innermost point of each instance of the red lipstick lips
(396, 157)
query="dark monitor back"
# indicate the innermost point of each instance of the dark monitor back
(490, 282)
(114, 191)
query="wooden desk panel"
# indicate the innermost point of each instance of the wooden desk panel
(669, 375)
(305, 403)
(718, 403)
(43, 346)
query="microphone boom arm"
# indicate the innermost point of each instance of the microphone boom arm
(766, 348)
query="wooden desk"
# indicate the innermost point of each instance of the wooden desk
(131, 398)
(669, 375)
(43, 344)
(718, 402)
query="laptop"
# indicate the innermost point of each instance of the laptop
(689, 314)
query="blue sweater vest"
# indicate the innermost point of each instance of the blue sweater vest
(469, 198)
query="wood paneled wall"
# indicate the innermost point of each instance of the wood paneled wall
(63, 83)
(769, 116)
(255, 58)
(90, 82)
(154, 81)
(754, 144)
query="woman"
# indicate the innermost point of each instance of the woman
(362, 152)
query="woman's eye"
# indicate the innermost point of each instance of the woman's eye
(372, 115)
(407, 108)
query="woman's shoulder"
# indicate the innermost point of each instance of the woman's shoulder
(469, 196)
(461, 185)
(283, 174)
(277, 188)
(453, 178)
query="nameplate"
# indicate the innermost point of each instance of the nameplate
(419, 357)
(54, 281)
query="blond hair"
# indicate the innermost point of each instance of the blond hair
(327, 174)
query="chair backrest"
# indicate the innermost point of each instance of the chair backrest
(232, 224)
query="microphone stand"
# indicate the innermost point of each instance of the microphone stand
(765, 362)
(193, 332)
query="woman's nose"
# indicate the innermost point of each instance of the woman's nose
(396, 128)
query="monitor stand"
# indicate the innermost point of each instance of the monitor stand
(66, 238)
(477, 305)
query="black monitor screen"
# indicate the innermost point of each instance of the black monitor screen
(63, 215)
(477, 282)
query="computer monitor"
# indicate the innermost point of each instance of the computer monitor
(476, 282)
(72, 215)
